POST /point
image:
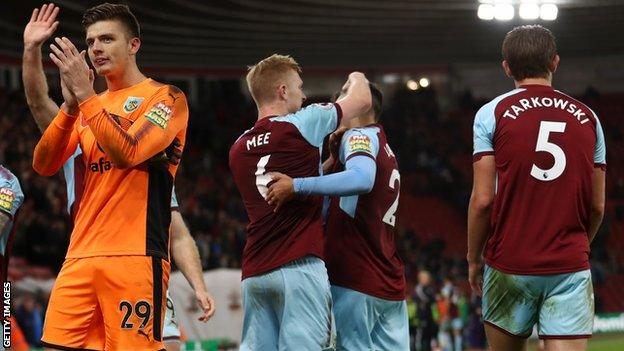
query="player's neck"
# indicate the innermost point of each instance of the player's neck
(131, 76)
(363, 121)
(272, 110)
(534, 81)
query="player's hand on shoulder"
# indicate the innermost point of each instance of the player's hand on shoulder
(41, 25)
(281, 190)
(207, 304)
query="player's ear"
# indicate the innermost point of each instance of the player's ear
(554, 64)
(281, 92)
(506, 68)
(133, 45)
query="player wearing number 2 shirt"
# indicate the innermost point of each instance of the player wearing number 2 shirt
(366, 273)
(540, 157)
(286, 297)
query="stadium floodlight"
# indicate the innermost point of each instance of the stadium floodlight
(412, 84)
(424, 82)
(548, 12)
(504, 12)
(529, 11)
(486, 12)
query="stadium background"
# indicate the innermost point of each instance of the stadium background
(436, 63)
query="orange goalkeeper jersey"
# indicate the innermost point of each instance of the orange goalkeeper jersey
(125, 206)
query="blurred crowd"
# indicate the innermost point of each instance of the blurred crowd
(434, 152)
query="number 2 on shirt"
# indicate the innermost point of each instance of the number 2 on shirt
(389, 217)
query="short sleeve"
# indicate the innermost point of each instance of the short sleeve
(11, 196)
(314, 122)
(359, 142)
(600, 150)
(483, 131)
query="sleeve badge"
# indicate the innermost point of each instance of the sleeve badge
(360, 143)
(132, 103)
(7, 196)
(159, 114)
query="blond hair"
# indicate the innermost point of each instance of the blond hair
(264, 76)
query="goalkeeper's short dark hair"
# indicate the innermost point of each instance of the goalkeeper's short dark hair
(107, 12)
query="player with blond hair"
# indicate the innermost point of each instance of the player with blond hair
(286, 296)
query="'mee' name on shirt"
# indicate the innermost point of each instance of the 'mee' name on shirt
(258, 140)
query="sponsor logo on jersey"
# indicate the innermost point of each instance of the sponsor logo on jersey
(159, 114)
(360, 143)
(101, 166)
(7, 196)
(132, 103)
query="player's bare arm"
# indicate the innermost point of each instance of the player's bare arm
(479, 211)
(357, 99)
(41, 26)
(597, 203)
(186, 257)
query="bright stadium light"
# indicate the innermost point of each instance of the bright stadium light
(486, 12)
(548, 12)
(504, 12)
(412, 85)
(529, 11)
(424, 82)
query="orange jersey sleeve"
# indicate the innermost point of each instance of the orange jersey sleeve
(57, 144)
(166, 115)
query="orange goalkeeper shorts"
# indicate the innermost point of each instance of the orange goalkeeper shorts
(108, 303)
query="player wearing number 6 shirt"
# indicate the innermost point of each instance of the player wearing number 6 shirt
(366, 273)
(537, 202)
(286, 297)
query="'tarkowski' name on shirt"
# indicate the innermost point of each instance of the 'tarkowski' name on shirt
(526, 104)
